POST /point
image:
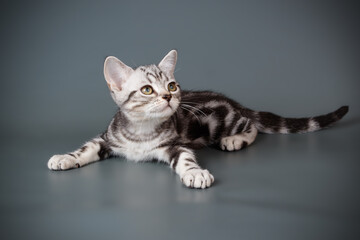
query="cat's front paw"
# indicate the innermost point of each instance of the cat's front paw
(197, 178)
(62, 162)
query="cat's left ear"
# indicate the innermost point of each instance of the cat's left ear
(116, 73)
(168, 63)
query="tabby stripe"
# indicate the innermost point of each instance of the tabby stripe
(192, 168)
(241, 126)
(83, 149)
(104, 151)
(139, 105)
(221, 112)
(190, 160)
(326, 120)
(130, 96)
(295, 125)
(170, 142)
(129, 136)
(270, 120)
(147, 76)
(157, 76)
(247, 129)
(174, 156)
(161, 76)
(233, 123)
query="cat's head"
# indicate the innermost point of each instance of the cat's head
(147, 92)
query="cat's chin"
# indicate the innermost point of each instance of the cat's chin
(163, 112)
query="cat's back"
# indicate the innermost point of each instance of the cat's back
(204, 97)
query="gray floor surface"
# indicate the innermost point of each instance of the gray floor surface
(283, 187)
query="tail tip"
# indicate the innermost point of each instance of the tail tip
(342, 111)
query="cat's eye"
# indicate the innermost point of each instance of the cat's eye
(172, 87)
(147, 90)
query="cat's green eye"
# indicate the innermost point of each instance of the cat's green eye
(147, 90)
(172, 87)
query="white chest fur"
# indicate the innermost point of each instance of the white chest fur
(143, 150)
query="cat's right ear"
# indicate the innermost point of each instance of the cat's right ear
(116, 73)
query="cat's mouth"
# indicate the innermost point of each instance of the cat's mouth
(163, 108)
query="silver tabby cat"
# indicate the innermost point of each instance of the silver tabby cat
(157, 120)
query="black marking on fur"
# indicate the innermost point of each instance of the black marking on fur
(139, 105)
(340, 113)
(104, 151)
(241, 126)
(205, 111)
(129, 97)
(73, 155)
(83, 149)
(190, 160)
(248, 127)
(270, 120)
(151, 74)
(234, 120)
(170, 143)
(197, 130)
(157, 76)
(202, 97)
(177, 123)
(295, 125)
(174, 154)
(120, 121)
(220, 112)
(330, 118)
(244, 144)
(192, 168)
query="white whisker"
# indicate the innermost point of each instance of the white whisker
(197, 109)
(183, 107)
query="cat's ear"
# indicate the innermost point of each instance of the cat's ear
(116, 73)
(168, 63)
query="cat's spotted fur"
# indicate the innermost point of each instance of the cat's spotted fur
(158, 122)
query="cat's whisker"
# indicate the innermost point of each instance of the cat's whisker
(191, 113)
(197, 109)
(197, 103)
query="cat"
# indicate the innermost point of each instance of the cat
(158, 120)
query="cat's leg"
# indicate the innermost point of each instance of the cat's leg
(241, 139)
(92, 151)
(182, 160)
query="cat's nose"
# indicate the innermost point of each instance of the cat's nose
(167, 97)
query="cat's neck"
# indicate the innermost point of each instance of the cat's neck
(144, 127)
(141, 127)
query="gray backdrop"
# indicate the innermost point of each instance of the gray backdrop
(294, 58)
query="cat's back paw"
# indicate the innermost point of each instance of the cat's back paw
(197, 178)
(233, 143)
(62, 162)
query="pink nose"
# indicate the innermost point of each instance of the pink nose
(167, 97)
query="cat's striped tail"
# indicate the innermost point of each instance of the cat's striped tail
(267, 122)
